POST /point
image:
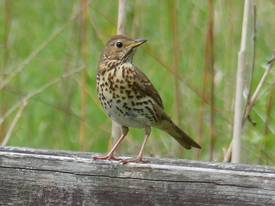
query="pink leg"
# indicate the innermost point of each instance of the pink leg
(139, 158)
(110, 155)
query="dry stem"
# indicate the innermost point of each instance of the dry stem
(14, 122)
(252, 101)
(84, 75)
(242, 69)
(121, 20)
(6, 56)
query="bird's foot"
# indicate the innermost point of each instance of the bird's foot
(107, 157)
(136, 160)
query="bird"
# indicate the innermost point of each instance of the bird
(130, 99)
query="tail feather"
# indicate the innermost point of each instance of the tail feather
(182, 138)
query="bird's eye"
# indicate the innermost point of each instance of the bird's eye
(119, 44)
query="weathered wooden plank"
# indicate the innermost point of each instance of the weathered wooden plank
(41, 177)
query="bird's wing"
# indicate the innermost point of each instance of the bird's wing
(144, 85)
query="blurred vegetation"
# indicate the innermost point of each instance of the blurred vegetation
(52, 119)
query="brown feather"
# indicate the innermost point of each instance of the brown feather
(146, 87)
(182, 138)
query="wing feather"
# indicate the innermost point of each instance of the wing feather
(145, 86)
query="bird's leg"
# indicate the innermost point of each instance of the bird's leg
(139, 158)
(110, 155)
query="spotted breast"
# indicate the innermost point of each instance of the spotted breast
(122, 99)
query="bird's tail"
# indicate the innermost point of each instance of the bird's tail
(182, 138)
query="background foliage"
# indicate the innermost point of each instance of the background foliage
(52, 119)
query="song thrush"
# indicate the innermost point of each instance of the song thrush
(129, 98)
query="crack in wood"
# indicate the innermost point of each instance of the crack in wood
(134, 178)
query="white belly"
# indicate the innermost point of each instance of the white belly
(129, 118)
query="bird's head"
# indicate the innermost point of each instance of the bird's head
(121, 48)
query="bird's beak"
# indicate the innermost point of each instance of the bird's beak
(137, 42)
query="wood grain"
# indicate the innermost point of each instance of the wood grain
(42, 177)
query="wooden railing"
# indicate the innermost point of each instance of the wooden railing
(42, 177)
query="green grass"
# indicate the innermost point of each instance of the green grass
(52, 119)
